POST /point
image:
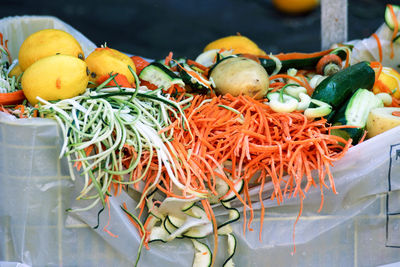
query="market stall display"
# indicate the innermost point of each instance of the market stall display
(156, 157)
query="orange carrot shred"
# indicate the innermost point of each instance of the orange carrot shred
(378, 43)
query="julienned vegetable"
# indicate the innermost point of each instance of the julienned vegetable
(239, 75)
(98, 126)
(355, 113)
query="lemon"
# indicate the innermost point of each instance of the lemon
(388, 81)
(103, 61)
(295, 6)
(54, 78)
(46, 43)
(239, 44)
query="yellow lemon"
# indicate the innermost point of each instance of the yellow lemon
(16, 71)
(54, 78)
(295, 6)
(388, 82)
(103, 61)
(45, 43)
(239, 44)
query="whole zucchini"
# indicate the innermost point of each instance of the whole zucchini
(338, 88)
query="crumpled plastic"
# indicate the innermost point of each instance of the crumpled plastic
(358, 226)
(367, 48)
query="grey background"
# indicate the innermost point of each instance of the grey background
(152, 28)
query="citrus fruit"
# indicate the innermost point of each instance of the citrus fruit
(295, 6)
(388, 82)
(103, 61)
(239, 44)
(46, 43)
(54, 78)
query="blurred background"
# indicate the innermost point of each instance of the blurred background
(152, 28)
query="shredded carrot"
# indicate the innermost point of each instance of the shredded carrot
(210, 213)
(288, 56)
(168, 58)
(378, 43)
(105, 229)
(379, 67)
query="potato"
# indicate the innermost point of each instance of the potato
(240, 75)
(381, 120)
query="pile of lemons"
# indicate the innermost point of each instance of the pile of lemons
(54, 67)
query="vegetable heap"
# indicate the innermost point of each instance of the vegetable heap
(226, 130)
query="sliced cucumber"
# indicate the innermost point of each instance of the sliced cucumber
(174, 221)
(355, 113)
(175, 206)
(194, 79)
(231, 195)
(199, 232)
(159, 233)
(159, 75)
(222, 188)
(232, 242)
(224, 230)
(202, 256)
(196, 212)
(234, 215)
(389, 20)
(171, 228)
(396, 39)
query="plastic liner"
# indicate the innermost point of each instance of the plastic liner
(357, 227)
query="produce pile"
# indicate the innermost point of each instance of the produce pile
(228, 129)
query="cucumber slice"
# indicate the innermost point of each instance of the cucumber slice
(171, 228)
(222, 188)
(389, 20)
(234, 215)
(193, 79)
(175, 206)
(196, 212)
(159, 75)
(159, 233)
(232, 242)
(231, 195)
(175, 222)
(397, 39)
(224, 230)
(202, 256)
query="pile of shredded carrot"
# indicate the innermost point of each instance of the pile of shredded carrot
(260, 145)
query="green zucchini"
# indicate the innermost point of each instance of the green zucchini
(238, 186)
(309, 62)
(159, 75)
(388, 16)
(194, 79)
(335, 90)
(355, 113)
(203, 255)
(232, 244)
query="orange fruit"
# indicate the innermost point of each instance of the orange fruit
(239, 44)
(295, 6)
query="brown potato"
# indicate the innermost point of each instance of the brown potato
(240, 75)
(381, 120)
